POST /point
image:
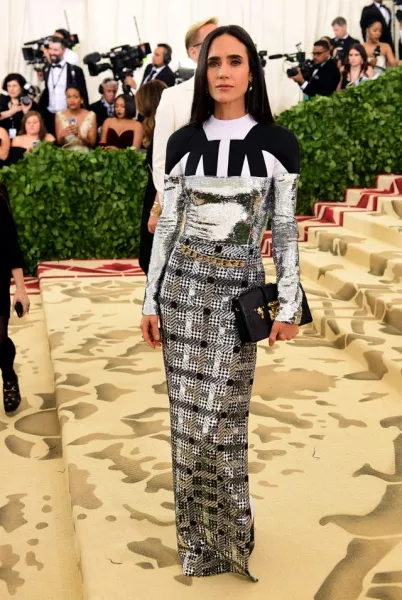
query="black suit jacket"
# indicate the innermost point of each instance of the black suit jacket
(371, 12)
(100, 111)
(325, 81)
(75, 76)
(166, 75)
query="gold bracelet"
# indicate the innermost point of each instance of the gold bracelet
(156, 210)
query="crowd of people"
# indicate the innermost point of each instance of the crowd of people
(342, 62)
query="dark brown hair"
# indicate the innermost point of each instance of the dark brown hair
(147, 99)
(362, 51)
(256, 99)
(42, 129)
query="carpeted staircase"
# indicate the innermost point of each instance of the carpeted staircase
(325, 427)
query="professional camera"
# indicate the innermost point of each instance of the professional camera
(33, 53)
(339, 48)
(306, 66)
(29, 92)
(183, 74)
(123, 60)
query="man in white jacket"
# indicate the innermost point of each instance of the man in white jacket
(174, 111)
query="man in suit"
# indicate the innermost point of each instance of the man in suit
(325, 76)
(59, 75)
(104, 108)
(343, 41)
(378, 11)
(159, 68)
(174, 109)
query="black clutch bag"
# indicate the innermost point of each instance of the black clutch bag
(255, 312)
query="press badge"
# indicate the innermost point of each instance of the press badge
(12, 133)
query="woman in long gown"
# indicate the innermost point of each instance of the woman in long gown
(225, 172)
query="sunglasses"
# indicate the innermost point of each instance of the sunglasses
(319, 53)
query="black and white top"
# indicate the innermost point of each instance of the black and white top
(223, 180)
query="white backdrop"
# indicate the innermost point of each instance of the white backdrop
(275, 25)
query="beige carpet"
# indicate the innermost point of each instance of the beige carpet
(325, 438)
(37, 545)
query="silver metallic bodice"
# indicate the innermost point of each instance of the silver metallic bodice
(231, 210)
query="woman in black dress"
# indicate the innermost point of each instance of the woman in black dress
(11, 263)
(147, 100)
(12, 109)
(225, 173)
(122, 131)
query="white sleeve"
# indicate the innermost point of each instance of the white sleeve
(164, 128)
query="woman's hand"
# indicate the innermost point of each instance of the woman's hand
(69, 130)
(150, 330)
(152, 223)
(22, 296)
(282, 332)
(26, 107)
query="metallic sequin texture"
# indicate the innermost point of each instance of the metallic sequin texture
(209, 372)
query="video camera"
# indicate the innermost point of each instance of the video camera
(123, 60)
(33, 53)
(306, 66)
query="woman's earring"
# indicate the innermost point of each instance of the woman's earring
(250, 85)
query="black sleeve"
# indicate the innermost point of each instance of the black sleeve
(170, 77)
(8, 233)
(3, 102)
(178, 145)
(286, 149)
(83, 87)
(146, 73)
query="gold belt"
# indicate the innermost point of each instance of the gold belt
(212, 260)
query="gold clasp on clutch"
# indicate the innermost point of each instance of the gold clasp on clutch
(273, 308)
(260, 311)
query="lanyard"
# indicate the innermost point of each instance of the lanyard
(58, 79)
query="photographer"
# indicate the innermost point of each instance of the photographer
(104, 108)
(343, 41)
(325, 76)
(70, 56)
(58, 77)
(15, 105)
(159, 68)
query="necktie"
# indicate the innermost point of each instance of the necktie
(152, 73)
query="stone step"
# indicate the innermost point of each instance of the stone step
(377, 258)
(347, 281)
(380, 227)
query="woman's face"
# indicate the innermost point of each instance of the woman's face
(228, 71)
(13, 89)
(355, 58)
(120, 108)
(74, 99)
(375, 32)
(32, 125)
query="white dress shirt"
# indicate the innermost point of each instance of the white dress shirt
(57, 83)
(384, 12)
(71, 57)
(156, 71)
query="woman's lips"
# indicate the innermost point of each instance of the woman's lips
(224, 87)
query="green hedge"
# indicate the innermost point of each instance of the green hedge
(77, 205)
(348, 138)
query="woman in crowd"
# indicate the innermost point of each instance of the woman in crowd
(31, 133)
(380, 55)
(147, 99)
(4, 146)
(225, 172)
(11, 108)
(10, 264)
(356, 68)
(75, 126)
(122, 131)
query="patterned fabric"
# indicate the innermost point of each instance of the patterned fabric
(209, 373)
(72, 141)
(210, 376)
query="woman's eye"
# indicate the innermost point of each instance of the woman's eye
(236, 62)
(213, 63)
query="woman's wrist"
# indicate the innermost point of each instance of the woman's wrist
(156, 210)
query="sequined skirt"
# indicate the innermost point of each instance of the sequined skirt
(210, 376)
